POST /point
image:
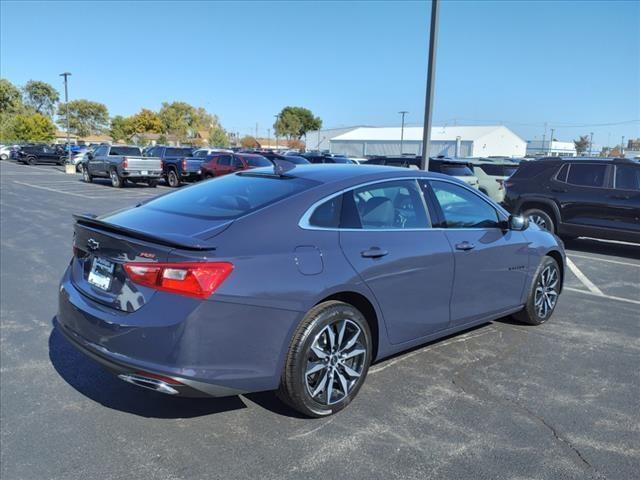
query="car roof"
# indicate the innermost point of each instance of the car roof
(585, 159)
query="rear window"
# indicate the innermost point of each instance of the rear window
(177, 152)
(498, 170)
(257, 161)
(456, 170)
(231, 196)
(532, 169)
(119, 151)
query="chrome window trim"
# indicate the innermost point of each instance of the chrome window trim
(305, 225)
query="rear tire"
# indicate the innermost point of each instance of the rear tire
(116, 180)
(543, 295)
(327, 361)
(540, 218)
(172, 179)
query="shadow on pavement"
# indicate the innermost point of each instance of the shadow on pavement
(94, 382)
(603, 247)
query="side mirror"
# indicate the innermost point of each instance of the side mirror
(518, 222)
(90, 156)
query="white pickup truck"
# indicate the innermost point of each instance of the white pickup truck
(121, 163)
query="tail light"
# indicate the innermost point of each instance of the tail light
(193, 279)
(125, 162)
(184, 164)
(162, 164)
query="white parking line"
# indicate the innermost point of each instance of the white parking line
(607, 260)
(610, 297)
(53, 190)
(583, 278)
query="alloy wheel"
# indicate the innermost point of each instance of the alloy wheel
(336, 361)
(546, 294)
(538, 220)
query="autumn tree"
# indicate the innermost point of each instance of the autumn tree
(249, 142)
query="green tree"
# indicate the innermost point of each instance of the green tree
(41, 96)
(581, 144)
(85, 117)
(178, 118)
(10, 98)
(31, 127)
(295, 122)
(121, 129)
(218, 137)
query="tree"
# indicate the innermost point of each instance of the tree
(581, 144)
(178, 118)
(85, 117)
(10, 98)
(41, 96)
(218, 137)
(295, 122)
(249, 142)
(145, 121)
(120, 129)
(31, 127)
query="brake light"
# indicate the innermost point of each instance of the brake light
(184, 164)
(193, 279)
(162, 164)
(125, 162)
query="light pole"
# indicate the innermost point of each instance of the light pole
(431, 78)
(403, 113)
(590, 143)
(69, 168)
(551, 142)
(275, 129)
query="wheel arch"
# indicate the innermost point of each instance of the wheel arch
(364, 305)
(546, 205)
(557, 256)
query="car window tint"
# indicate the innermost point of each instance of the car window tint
(627, 177)
(587, 175)
(224, 160)
(118, 151)
(386, 205)
(562, 174)
(456, 170)
(462, 208)
(327, 215)
(177, 152)
(229, 196)
(498, 170)
(258, 161)
(101, 151)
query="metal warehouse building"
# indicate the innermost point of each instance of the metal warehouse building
(461, 141)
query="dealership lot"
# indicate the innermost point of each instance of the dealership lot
(500, 401)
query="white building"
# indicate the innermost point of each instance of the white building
(551, 148)
(462, 141)
(319, 139)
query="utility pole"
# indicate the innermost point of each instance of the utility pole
(69, 168)
(403, 113)
(275, 129)
(591, 144)
(269, 137)
(544, 139)
(431, 78)
(551, 141)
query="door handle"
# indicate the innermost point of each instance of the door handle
(465, 246)
(374, 252)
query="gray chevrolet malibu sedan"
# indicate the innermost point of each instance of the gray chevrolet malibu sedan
(297, 279)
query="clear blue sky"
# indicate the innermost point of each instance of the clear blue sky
(519, 63)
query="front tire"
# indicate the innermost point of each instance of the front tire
(328, 360)
(32, 160)
(543, 295)
(86, 176)
(540, 218)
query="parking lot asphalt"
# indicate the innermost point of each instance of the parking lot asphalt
(504, 400)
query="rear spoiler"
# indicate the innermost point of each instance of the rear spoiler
(182, 242)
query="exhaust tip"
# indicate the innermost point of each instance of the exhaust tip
(155, 384)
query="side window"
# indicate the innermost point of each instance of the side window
(587, 175)
(627, 177)
(386, 205)
(101, 151)
(237, 162)
(562, 173)
(327, 215)
(462, 208)
(224, 160)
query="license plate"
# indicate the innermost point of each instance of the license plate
(101, 273)
(144, 172)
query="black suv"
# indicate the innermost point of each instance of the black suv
(591, 197)
(33, 154)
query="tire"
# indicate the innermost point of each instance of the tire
(4, 156)
(152, 183)
(540, 218)
(32, 160)
(79, 167)
(543, 295)
(86, 176)
(61, 161)
(344, 370)
(173, 179)
(116, 180)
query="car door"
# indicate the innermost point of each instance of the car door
(97, 162)
(581, 191)
(386, 236)
(491, 262)
(623, 199)
(223, 165)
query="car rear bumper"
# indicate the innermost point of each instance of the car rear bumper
(140, 174)
(210, 348)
